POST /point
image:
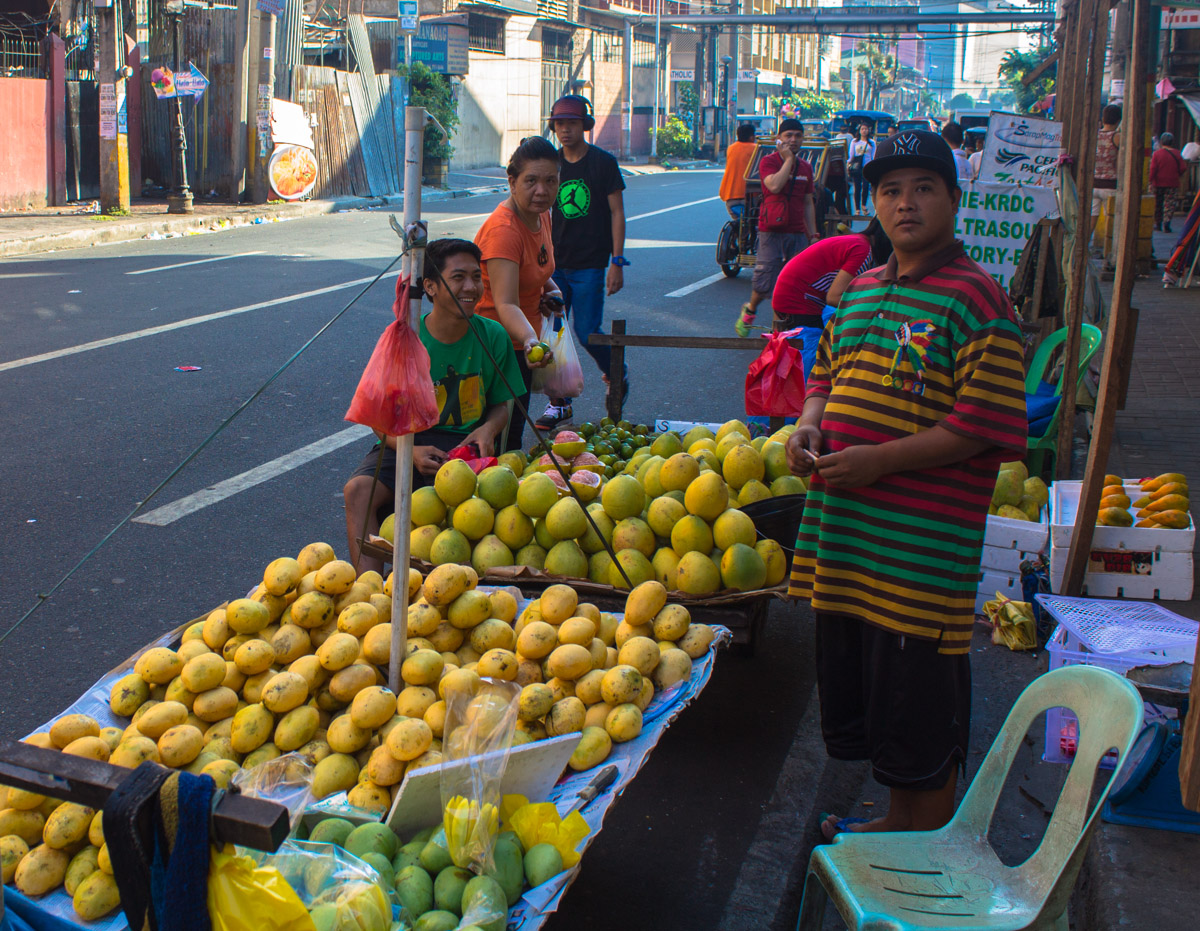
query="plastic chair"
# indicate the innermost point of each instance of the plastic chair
(952, 878)
(1047, 444)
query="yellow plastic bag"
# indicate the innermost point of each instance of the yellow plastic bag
(246, 897)
(1012, 623)
(539, 823)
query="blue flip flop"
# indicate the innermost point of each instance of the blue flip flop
(841, 826)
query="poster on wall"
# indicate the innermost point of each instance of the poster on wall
(1024, 149)
(995, 222)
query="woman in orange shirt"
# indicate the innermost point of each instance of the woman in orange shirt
(518, 258)
(737, 157)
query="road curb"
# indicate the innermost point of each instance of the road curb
(136, 228)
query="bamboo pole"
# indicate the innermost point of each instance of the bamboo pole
(1120, 333)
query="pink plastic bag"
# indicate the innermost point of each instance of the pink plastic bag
(775, 382)
(395, 394)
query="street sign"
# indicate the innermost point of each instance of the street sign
(440, 47)
(1181, 19)
(191, 82)
(407, 12)
(683, 74)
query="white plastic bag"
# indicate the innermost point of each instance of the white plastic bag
(563, 376)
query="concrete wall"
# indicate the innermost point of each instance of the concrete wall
(26, 160)
(607, 87)
(500, 99)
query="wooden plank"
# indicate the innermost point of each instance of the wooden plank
(1040, 69)
(620, 338)
(238, 819)
(1125, 363)
(353, 149)
(616, 369)
(1119, 332)
(1189, 754)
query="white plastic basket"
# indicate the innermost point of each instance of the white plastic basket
(1135, 633)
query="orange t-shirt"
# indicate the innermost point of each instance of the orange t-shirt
(504, 236)
(737, 157)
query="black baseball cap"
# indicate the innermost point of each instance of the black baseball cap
(913, 148)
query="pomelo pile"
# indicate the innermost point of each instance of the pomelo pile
(671, 513)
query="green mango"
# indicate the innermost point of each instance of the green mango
(542, 862)
(436, 921)
(406, 857)
(484, 903)
(414, 888)
(434, 855)
(422, 837)
(509, 870)
(324, 917)
(331, 831)
(372, 837)
(382, 865)
(448, 889)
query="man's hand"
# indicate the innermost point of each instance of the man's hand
(616, 279)
(853, 467)
(804, 437)
(428, 459)
(783, 150)
(484, 438)
(551, 303)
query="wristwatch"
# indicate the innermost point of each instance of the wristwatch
(620, 261)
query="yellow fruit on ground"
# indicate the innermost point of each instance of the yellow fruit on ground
(663, 514)
(788, 485)
(622, 497)
(41, 870)
(707, 496)
(567, 559)
(474, 518)
(644, 602)
(671, 622)
(664, 563)
(513, 527)
(624, 722)
(536, 494)
(338, 772)
(752, 491)
(577, 630)
(569, 661)
(696, 641)
(673, 666)
(427, 507)
(620, 685)
(774, 558)
(741, 464)
(420, 541)
(469, 609)
(498, 664)
(733, 526)
(742, 569)
(312, 610)
(424, 667)
(697, 574)
(636, 567)
(565, 717)
(333, 578)
(679, 471)
(691, 534)
(454, 482)
(774, 457)
(565, 520)
(157, 666)
(641, 653)
(732, 426)
(444, 584)
(314, 556)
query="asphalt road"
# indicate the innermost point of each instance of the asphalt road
(716, 830)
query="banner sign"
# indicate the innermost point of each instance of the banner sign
(995, 222)
(441, 47)
(1181, 19)
(1021, 149)
(683, 74)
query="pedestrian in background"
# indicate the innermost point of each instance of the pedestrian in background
(589, 236)
(1104, 173)
(787, 218)
(518, 259)
(862, 150)
(1167, 173)
(916, 397)
(733, 182)
(952, 132)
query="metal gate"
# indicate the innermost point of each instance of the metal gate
(82, 125)
(556, 67)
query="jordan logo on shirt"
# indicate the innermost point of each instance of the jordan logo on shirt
(574, 199)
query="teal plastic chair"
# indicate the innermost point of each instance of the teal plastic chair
(1039, 447)
(952, 878)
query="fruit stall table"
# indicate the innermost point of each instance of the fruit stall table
(536, 904)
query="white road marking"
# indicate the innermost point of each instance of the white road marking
(654, 213)
(181, 324)
(697, 285)
(663, 244)
(33, 275)
(169, 513)
(167, 268)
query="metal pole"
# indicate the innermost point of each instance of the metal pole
(657, 74)
(628, 37)
(411, 268)
(180, 200)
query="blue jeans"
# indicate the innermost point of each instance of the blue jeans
(583, 297)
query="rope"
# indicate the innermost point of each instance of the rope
(43, 598)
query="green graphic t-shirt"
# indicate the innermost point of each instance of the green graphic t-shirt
(465, 382)
(582, 217)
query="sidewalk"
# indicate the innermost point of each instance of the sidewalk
(1139, 877)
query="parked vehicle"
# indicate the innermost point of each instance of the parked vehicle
(931, 123)
(969, 119)
(764, 124)
(848, 120)
(815, 129)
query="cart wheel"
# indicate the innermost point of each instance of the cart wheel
(727, 248)
(731, 271)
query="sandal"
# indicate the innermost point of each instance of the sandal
(841, 826)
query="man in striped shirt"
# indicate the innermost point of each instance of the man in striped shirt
(916, 397)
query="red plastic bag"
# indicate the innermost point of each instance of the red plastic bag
(470, 455)
(775, 382)
(395, 394)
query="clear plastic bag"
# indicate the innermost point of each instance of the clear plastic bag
(479, 732)
(286, 780)
(244, 896)
(338, 889)
(562, 377)
(395, 394)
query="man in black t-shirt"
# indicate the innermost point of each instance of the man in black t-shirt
(589, 234)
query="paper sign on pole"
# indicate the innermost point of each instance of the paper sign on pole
(407, 14)
(1022, 149)
(995, 222)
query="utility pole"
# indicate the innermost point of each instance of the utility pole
(657, 75)
(628, 101)
(111, 72)
(263, 55)
(241, 130)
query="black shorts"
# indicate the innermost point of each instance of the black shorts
(893, 700)
(445, 440)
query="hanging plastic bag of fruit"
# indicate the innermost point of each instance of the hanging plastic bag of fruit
(775, 382)
(478, 737)
(395, 394)
(562, 377)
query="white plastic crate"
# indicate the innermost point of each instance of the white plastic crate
(1024, 535)
(1008, 585)
(1064, 504)
(1004, 559)
(1066, 649)
(1140, 632)
(1153, 574)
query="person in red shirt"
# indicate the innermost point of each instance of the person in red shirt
(1167, 170)
(787, 220)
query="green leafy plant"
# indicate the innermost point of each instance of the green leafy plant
(816, 106)
(962, 102)
(878, 71)
(432, 91)
(1013, 68)
(675, 139)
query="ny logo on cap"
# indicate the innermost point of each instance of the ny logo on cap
(906, 144)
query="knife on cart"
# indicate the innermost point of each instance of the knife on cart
(601, 781)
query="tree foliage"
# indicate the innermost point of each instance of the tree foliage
(962, 102)
(432, 91)
(816, 106)
(879, 71)
(1013, 68)
(675, 139)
